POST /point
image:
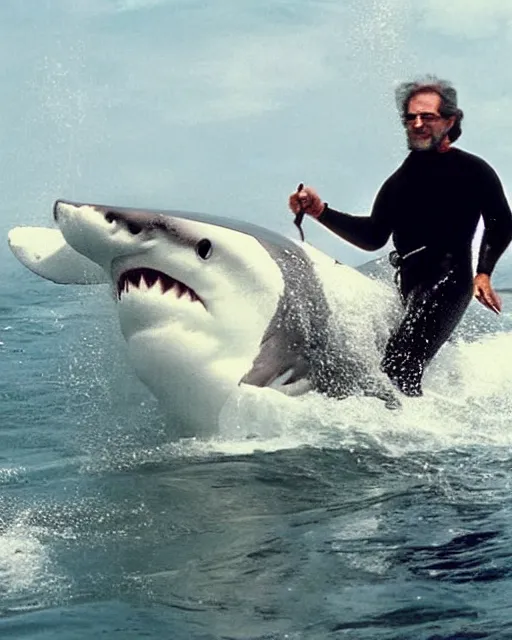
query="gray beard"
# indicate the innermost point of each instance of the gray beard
(431, 144)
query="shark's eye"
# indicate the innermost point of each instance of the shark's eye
(134, 228)
(204, 248)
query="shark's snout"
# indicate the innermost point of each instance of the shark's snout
(105, 234)
(133, 221)
(59, 206)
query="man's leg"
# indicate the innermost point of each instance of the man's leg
(431, 314)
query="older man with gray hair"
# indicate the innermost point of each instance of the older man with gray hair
(430, 206)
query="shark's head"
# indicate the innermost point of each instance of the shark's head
(206, 281)
(198, 298)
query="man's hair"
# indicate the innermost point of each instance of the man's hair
(444, 89)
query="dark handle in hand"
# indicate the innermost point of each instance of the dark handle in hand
(299, 217)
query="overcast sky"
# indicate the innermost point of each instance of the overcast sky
(223, 106)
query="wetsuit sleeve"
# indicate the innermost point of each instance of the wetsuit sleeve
(366, 232)
(497, 222)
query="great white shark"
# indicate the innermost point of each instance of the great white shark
(207, 304)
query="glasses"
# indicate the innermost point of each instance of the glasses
(426, 117)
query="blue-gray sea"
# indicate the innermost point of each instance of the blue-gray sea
(341, 520)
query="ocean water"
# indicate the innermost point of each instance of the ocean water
(304, 519)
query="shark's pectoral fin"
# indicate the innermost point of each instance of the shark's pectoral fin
(46, 253)
(279, 367)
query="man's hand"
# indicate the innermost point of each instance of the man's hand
(307, 200)
(485, 294)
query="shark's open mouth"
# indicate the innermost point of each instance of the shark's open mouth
(145, 279)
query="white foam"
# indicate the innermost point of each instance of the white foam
(467, 401)
(23, 558)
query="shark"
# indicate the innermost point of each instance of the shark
(208, 304)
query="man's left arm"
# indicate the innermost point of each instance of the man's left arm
(497, 235)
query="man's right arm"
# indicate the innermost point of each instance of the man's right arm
(366, 232)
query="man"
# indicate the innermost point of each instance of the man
(430, 206)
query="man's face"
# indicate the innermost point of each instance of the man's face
(425, 126)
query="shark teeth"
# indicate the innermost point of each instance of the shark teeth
(144, 279)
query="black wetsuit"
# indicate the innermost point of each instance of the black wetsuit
(431, 206)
